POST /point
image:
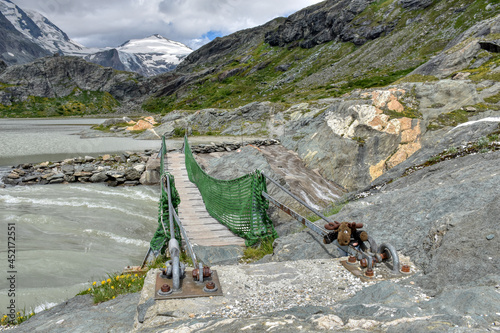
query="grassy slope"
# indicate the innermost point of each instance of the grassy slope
(78, 103)
(327, 70)
(334, 68)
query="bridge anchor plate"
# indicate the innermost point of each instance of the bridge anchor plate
(188, 287)
(383, 271)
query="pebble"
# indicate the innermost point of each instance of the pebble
(313, 284)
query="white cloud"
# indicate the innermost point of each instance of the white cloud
(111, 22)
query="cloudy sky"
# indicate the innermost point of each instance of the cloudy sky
(100, 23)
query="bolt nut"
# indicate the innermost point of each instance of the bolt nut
(207, 272)
(363, 262)
(210, 285)
(369, 272)
(165, 288)
(351, 259)
(405, 269)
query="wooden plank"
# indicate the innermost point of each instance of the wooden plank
(201, 228)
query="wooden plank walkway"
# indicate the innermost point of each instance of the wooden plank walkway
(201, 228)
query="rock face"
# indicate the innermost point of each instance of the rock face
(219, 48)
(440, 216)
(114, 316)
(328, 21)
(251, 119)
(464, 51)
(14, 47)
(61, 76)
(352, 141)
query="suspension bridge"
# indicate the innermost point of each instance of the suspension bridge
(201, 228)
(196, 209)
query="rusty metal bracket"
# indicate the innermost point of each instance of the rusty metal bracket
(369, 256)
(189, 288)
(381, 272)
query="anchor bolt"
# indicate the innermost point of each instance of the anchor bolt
(405, 269)
(351, 259)
(369, 272)
(363, 262)
(165, 288)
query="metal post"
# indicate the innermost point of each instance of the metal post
(173, 244)
(184, 235)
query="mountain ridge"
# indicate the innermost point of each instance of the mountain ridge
(151, 56)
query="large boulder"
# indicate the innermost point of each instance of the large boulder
(444, 217)
(98, 177)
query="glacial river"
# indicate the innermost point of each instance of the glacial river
(67, 235)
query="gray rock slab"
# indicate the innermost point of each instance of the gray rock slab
(80, 315)
(98, 177)
(219, 255)
(439, 216)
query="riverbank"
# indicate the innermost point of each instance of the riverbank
(125, 169)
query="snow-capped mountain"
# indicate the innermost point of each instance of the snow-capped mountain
(149, 56)
(39, 29)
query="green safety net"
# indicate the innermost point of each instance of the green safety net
(162, 234)
(238, 204)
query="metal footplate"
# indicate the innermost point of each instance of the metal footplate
(189, 287)
(382, 271)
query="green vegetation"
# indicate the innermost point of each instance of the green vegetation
(378, 80)
(453, 118)
(407, 112)
(114, 285)
(332, 209)
(258, 251)
(417, 78)
(179, 132)
(485, 71)
(117, 283)
(103, 128)
(359, 140)
(19, 317)
(460, 116)
(493, 99)
(78, 103)
(237, 84)
(482, 145)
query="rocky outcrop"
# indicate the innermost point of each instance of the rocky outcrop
(217, 51)
(441, 216)
(327, 21)
(61, 76)
(15, 48)
(251, 119)
(114, 316)
(354, 140)
(464, 51)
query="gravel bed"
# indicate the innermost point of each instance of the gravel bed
(301, 283)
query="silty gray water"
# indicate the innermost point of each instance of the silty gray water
(38, 140)
(68, 235)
